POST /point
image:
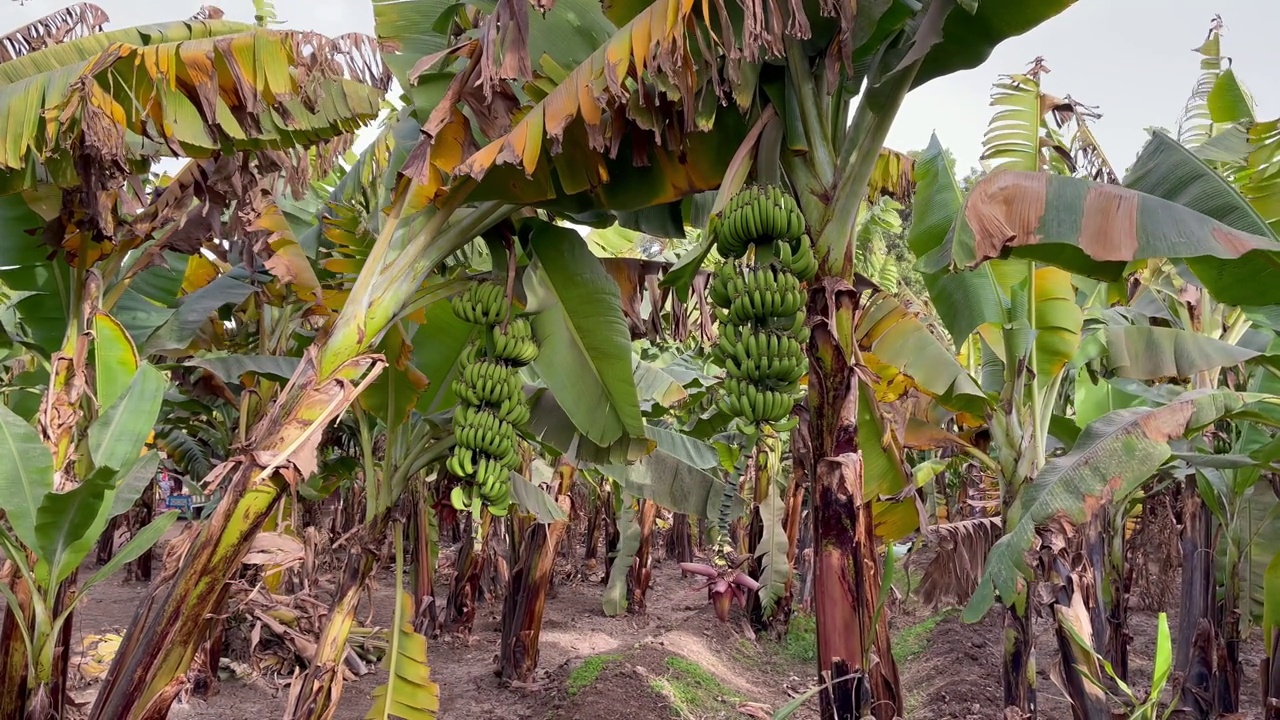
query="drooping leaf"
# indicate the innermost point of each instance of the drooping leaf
(65, 518)
(615, 591)
(26, 474)
(775, 569)
(655, 387)
(534, 500)
(671, 477)
(115, 359)
(1114, 456)
(586, 348)
(895, 507)
(961, 555)
(897, 337)
(409, 692)
(1095, 229)
(1146, 352)
(231, 368)
(117, 436)
(49, 97)
(963, 299)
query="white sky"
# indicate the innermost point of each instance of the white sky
(1130, 57)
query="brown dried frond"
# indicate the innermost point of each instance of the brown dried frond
(69, 23)
(354, 56)
(208, 12)
(639, 284)
(961, 556)
(1087, 156)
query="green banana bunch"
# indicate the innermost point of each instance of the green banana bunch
(516, 346)
(491, 402)
(761, 306)
(756, 216)
(482, 303)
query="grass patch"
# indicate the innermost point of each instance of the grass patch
(746, 653)
(801, 643)
(911, 641)
(585, 675)
(692, 691)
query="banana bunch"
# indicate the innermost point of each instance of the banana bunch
(516, 346)
(491, 402)
(483, 303)
(760, 306)
(756, 216)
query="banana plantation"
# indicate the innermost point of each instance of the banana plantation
(578, 359)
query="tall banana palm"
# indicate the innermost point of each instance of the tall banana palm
(635, 108)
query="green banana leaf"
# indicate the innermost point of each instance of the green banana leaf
(26, 474)
(963, 299)
(1145, 352)
(231, 368)
(1112, 458)
(1095, 230)
(586, 347)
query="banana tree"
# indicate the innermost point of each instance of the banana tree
(1214, 252)
(562, 155)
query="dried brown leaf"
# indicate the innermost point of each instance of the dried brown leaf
(961, 554)
(70, 23)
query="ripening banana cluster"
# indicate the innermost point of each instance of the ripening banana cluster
(761, 306)
(491, 402)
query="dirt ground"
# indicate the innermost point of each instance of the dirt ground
(675, 661)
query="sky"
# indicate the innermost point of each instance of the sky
(1131, 58)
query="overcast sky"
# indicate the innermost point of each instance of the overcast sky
(1132, 58)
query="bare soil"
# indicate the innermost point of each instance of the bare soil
(950, 670)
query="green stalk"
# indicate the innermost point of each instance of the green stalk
(1037, 420)
(836, 240)
(801, 78)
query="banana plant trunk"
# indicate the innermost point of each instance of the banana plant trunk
(424, 564)
(466, 582)
(13, 652)
(855, 658)
(1270, 676)
(1079, 669)
(1104, 549)
(150, 666)
(1199, 634)
(680, 539)
(612, 535)
(527, 597)
(642, 566)
(143, 512)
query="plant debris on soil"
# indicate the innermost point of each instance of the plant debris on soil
(674, 661)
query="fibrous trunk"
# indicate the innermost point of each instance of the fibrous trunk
(424, 567)
(1104, 551)
(13, 652)
(466, 583)
(680, 539)
(1199, 633)
(854, 652)
(527, 596)
(1271, 677)
(317, 692)
(642, 566)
